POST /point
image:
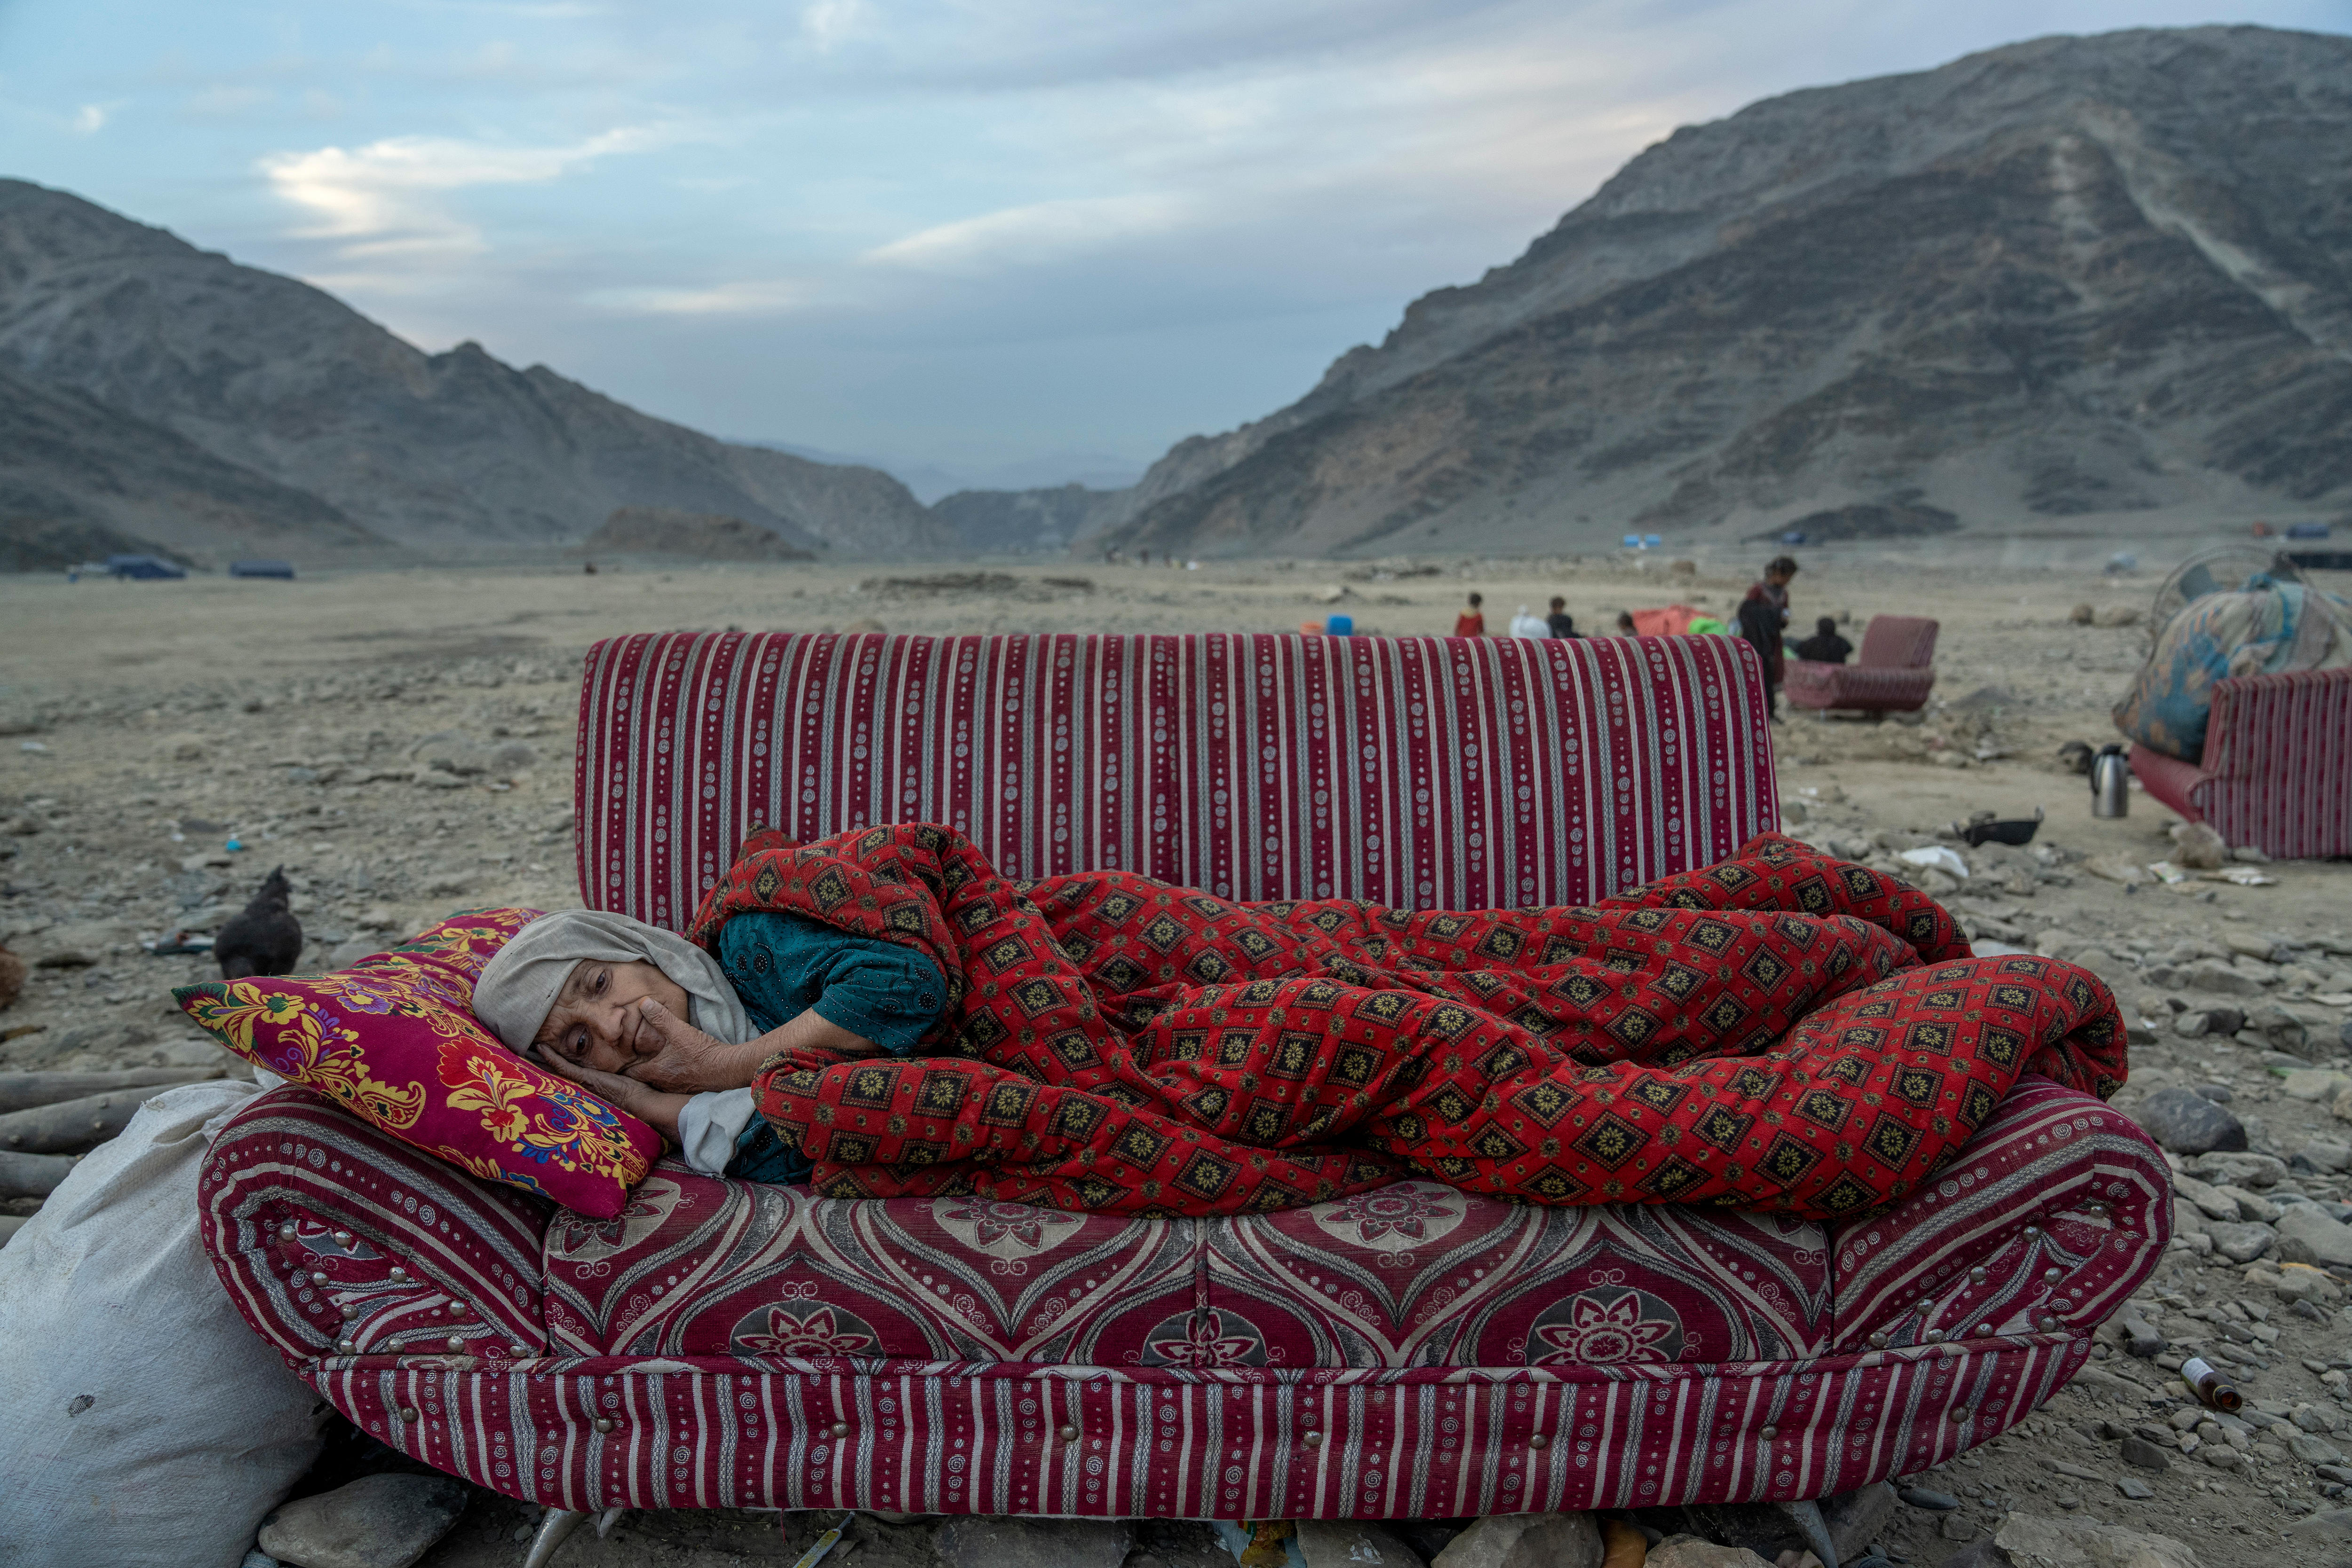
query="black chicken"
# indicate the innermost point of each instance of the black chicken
(264, 938)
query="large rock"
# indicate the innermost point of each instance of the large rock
(2200, 848)
(376, 1521)
(2320, 1084)
(1352, 1543)
(2238, 1168)
(2307, 1235)
(1691, 1551)
(1526, 1541)
(2321, 1540)
(1855, 1517)
(979, 1541)
(2241, 1243)
(2314, 1449)
(2188, 1123)
(2034, 1542)
(2221, 979)
(2210, 1201)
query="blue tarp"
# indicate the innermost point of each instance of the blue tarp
(145, 568)
(262, 569)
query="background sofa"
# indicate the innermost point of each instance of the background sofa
(1893, 671)
(1414, 1352)
(2276, 773)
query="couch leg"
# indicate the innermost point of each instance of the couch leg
(555, 1530)
(1807, 1517)
(607, 1520)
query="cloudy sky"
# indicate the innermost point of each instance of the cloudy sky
(1025, 239)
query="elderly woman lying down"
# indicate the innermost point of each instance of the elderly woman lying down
(675, 1035)
(883, 1013)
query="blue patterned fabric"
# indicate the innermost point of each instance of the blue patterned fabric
(2260, 629)
(781, 965)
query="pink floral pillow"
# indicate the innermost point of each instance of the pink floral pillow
(393, 1040)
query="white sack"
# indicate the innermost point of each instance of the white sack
(142, 1422)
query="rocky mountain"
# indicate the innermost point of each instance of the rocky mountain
(285, 383)
(2069, 279)
(1035, 520)
(79, 481)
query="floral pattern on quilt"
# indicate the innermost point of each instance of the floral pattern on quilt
(393, 1041)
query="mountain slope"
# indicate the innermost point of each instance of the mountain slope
(80, 480)
(278, 377)
(2073, 275)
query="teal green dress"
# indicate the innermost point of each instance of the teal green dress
(781, 965)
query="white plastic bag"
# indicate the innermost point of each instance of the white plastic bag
(142, 1422)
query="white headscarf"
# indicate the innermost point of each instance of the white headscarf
(519, 984)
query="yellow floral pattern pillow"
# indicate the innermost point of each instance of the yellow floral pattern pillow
(393, 1040)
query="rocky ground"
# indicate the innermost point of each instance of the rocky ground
(401, 742)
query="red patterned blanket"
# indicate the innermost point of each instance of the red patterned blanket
(1779, 1031)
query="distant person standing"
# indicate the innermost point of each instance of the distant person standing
(1764, 622)
(1562, 622)
(1825, 647)
(1625, 628)
(1471, 622)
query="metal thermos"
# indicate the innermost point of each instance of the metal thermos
(2110, 784)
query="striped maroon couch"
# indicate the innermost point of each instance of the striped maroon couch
(1414, 1352)
(2276, 773)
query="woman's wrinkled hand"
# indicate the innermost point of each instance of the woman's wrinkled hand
(689, 1061)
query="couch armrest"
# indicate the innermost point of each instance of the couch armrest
(333, 1239)
(2171, 781)
(2046, 1221)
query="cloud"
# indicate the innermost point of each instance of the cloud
(751, 296)
(1036, 232)
(387, 197)
(828, 22)
(92, 118)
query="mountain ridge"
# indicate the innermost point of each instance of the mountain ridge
(2209, 165)
(281, 380)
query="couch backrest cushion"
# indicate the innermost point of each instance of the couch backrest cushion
(1427, 772)
(1898, 642)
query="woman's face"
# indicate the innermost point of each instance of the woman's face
(596, 1021)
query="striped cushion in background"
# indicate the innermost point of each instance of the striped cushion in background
(2279, 752)
(1423, 772)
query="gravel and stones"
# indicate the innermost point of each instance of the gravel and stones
(297, 728)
